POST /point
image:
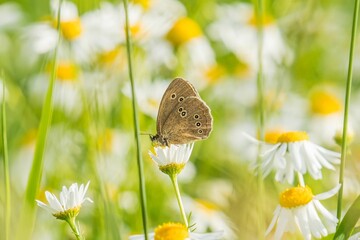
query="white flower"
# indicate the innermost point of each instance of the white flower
(177, 231)
(66, 95)
(294, 152)
(207, 215)
(69, 203)
(172, 159)
(238, 21)
(11, 15)
(178, 154)
(299, 208)
(148, 96)
(356, 236)
(84, 36)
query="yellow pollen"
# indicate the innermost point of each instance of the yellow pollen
(71, 29)
(184, 30)
(272, 136)
(66, 71)
(292, 137)
(295, 197)
(266, 20)
(324, 103)
(214, 73)
(146, 4)
(171, 231)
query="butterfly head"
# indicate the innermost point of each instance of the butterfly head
(158, 140)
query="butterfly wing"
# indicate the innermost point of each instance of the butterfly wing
(191, 120)
(178, 90)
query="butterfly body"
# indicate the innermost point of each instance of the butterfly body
(183, 116)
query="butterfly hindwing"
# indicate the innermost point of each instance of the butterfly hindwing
(190, 120)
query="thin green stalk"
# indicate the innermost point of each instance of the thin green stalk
(261, 112)
(28, 209)
(6, 166)
(136, 124)
(72, 224)
(346, 108)
(178, 198)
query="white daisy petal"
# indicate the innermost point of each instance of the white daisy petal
(69, 199)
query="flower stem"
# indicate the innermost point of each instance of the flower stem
(173, 178)
(6, 165)
(72, 224)
(346, 108)
(27, 217)
(136, 124)
(261, 112)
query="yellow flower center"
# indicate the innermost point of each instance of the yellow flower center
(29, 137)
(292, 137)
(272, 136)
(153, 102)
(135, 29)
(214, 73)
(295, 197)
(266, 20)
(144, 3)
(207, 206)
(109, 57)
(71, 29)
(184, 30)
(242, 69)
(171, 231)
(66, 71)
(106, 140)
(324, 103)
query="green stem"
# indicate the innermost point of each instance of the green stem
(28, 209)
(173, 178)
(6, 165)
(346, 108)
(72, 224)
(261, 112)
(136, 124)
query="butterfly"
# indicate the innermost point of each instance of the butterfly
(183, 117)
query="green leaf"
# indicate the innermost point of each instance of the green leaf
(347, 224)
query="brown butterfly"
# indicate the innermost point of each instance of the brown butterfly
(183, 116)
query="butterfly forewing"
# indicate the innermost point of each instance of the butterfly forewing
(178, 90)
(191, 120)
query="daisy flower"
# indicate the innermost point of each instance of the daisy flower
(177, 231)
(172, 159)
(84, 36)
(326, 120)
(149, 96)
(292, 152)
(66, 94)
(187, 35)
(300, 209)
(70, 201)
(238, 21)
